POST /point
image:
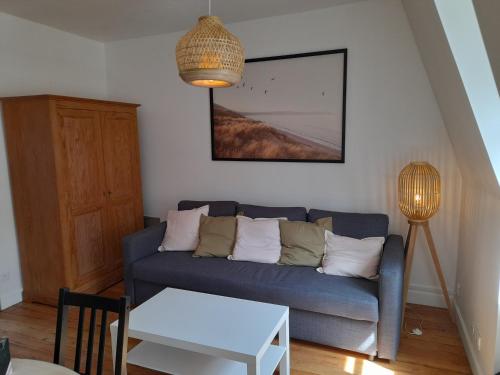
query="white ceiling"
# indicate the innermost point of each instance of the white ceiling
(108, 20)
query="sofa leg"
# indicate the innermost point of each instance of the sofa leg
(371, 358)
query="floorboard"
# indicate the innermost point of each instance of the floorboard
(439, 351)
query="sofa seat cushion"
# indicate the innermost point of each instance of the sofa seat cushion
(297, 287)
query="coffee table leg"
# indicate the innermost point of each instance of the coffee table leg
(284, 341)
(113, 329)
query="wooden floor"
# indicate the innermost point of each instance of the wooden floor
(31, 330)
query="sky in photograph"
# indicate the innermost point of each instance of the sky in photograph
(302, 96)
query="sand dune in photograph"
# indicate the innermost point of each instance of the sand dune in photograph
(240, 137)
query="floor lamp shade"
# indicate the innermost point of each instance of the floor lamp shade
(419, 191)
(209, 55)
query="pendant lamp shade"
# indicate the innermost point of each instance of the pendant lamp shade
(209, 55)
(419, 191)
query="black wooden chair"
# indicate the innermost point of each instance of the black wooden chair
(4, 355)
(83, 301)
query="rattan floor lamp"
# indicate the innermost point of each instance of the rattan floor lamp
(419, 195)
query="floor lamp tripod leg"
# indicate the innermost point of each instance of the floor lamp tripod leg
(410, 240)
(408, 236)
(437, 264)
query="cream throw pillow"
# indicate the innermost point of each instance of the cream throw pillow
(257, 240)
(182, 229)
(345, 256)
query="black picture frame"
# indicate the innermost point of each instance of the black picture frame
(280, 57)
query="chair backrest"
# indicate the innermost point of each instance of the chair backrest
(94, 303)
(4, 355)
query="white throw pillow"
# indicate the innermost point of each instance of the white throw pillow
(183, 227)
(346, 256)
(257, 240)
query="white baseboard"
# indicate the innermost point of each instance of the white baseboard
(427, 295)
(475, 364)
(9, 299)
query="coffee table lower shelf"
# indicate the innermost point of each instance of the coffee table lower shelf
(182, 362)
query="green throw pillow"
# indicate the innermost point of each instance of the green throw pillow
(302, 244)
(217, 236)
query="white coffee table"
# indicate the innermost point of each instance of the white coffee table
(189, 333)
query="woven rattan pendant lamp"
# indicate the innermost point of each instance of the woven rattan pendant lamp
(419, 195)
(209, 55)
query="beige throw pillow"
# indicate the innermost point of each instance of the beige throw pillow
(351, 257)
(302, 244)
(182, 229)
(325, 222)
(217, 236)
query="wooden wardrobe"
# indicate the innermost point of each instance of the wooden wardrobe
(76, 187)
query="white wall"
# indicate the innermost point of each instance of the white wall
(478, 273)
(392, 118)
(36, 59)
(479, 276)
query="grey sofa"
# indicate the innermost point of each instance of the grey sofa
(348, 313)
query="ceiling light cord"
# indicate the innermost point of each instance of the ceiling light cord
(209, 7)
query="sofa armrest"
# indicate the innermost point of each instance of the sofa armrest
(137, 246)
(390, 294)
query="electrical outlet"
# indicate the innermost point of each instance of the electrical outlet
(476, 337)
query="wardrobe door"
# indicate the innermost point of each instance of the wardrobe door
(123, 182)
(80, 157)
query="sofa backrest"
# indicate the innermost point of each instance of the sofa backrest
(291, 213)
(344, 223)
(217, 208)
(354, 225)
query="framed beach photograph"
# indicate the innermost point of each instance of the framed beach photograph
(286, 108)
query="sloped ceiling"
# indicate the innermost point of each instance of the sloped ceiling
(450, 94)
(488, 15)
